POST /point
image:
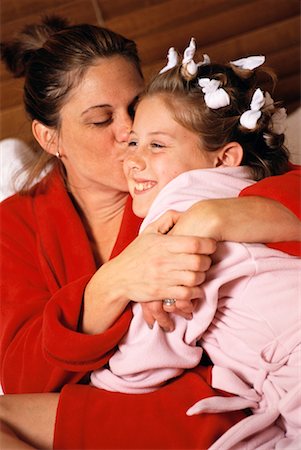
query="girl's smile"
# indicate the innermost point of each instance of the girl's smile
(159, 150)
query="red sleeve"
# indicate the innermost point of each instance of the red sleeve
(41, 347)
(285, 189)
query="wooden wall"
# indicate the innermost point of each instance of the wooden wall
(225, 29)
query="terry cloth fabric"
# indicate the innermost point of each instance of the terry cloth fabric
(242, 320)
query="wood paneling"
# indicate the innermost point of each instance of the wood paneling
(77, 11)
(150, 21)
(225, 29)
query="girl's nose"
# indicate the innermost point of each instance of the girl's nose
(133, 162)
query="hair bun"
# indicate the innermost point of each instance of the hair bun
(55, 23)
(17, 53)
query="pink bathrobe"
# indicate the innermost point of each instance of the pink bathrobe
(248, 320)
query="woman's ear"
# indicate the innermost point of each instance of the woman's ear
(46, 137)
(230, 155)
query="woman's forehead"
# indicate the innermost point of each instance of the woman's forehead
(109, 82)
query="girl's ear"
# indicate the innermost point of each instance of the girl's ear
(230, 155)
(46, 137)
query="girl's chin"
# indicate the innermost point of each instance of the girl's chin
(140, 210)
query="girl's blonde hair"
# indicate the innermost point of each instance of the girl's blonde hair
(263, 149)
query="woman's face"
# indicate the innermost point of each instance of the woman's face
(159, 150)
(95, 125)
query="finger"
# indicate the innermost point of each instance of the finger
(181, 263)
(192, 244)
(153, 311)
(179, 311)
(164, 320)
(162, 317)
(186, 316)
(188, 278)
(164, 224)
(185, 306)
(148, 317)
(183, 293)
(195, 263)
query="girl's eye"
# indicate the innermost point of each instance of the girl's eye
(157, 145)
(132, 143)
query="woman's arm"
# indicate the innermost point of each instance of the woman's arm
(243, 219)
(46, 269)
(42, 289)
(273, 216)
(267, 212)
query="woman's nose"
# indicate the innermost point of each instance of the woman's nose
(123, 128)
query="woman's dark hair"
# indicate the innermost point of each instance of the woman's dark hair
(263, 149)
(53, 56)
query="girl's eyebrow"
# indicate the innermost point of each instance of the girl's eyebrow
(95, 107)
(155, 133)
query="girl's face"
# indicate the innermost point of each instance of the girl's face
(95, 125)
(159, 150)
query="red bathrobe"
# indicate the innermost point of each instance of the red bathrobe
(46, 262)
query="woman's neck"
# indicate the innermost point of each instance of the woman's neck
(101, 213)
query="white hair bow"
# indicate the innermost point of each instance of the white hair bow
(172, 60)
(189, 52)
(206, 60)
(215, 97)
(278, 117)
(250, 117)
(250, 63)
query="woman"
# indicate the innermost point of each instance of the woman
(67, 279)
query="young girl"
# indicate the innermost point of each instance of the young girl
(205, 131)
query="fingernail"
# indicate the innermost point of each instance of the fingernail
(150, 326)
(189, 316)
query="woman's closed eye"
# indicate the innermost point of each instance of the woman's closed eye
(102, 123)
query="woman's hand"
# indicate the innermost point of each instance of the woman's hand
(152, 267)
(156, 310)
(244, 219)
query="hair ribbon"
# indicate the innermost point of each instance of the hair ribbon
(172, 60)
(188, 61)
(250, 117)
(215, 97)
(249, 63)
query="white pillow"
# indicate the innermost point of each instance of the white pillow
(293, 135)
(14, 154)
